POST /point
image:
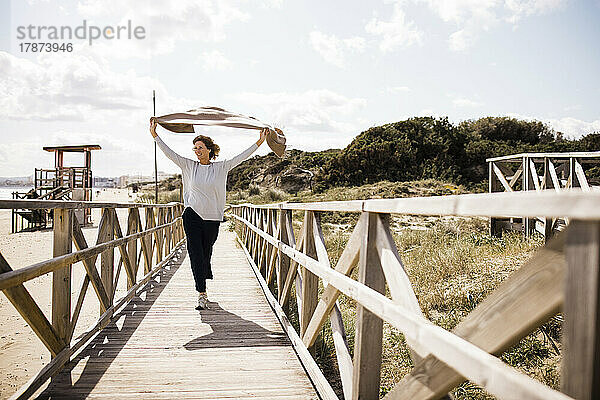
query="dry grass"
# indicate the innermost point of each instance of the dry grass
(163, 197)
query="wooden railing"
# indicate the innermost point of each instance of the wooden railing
(538, 171)
(159, 241)
(562, 275)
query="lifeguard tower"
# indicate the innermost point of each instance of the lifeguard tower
(60, 183)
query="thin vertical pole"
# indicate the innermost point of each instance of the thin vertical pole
(155, 164)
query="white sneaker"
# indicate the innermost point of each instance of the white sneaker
(202, 302)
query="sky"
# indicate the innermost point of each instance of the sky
(323, 71)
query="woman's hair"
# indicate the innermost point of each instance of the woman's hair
(210, 145)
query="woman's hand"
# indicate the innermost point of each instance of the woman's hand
(263, 135)
(153, 127)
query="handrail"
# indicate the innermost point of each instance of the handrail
(160, 240)
(572, 204)
(582, 154)
(34, 204)
(518, 306)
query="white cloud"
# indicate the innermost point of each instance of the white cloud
(277, 4)
(73, 99)
(214, 60)
(470, 17)
(355, 43)
(333, 49)
(574, 107)
(464, 102)
(76, 87)
(395, 33)
(462, 11)
(427, 112)
(398, 89)
(572, 127)
(166, 23)
(524, 8)
(314, 119)
(461, 40)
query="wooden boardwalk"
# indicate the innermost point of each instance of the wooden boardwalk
(160, 347)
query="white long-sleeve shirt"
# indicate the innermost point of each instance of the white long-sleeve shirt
(204, 185)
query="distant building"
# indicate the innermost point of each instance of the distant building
(125, 180)
(101, 182)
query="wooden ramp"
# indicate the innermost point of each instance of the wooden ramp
(160, 347)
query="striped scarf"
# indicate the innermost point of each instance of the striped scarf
(184, 123)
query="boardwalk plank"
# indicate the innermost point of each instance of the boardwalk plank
(160, 347)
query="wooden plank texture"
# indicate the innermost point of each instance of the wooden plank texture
(581, 338)
(369, 327)
(61, 279)
(159, 346)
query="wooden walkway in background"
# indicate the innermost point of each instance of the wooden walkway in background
(160, 347)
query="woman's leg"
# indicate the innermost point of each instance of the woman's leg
(210, 231)
(192, 225)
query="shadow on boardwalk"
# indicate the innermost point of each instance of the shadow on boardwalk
(111, 340)
(231, 330)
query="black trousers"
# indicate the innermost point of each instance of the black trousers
(201, 236)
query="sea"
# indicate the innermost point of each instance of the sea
(6, 191)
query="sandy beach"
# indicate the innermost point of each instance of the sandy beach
(22, 354)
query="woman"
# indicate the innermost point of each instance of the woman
(204, 200)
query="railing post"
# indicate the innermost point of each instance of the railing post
(256, 242)
(271, 256)
(572, 177)
(61, 278)
(107, 258)
(180, 234)
(264, 247)
(493, 187)
(528, 223)
(148, 239)
(547, 182)
(310, 281)
(132, 227)
(581, 331)
(159, 235)
(241, 211)
(284, 260)
(366, 376)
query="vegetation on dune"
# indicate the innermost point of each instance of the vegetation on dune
(414, 149)
(427, 147)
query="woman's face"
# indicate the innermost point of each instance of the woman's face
(201, 151)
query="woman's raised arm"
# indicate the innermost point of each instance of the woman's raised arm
(180, 161)
(230, 164)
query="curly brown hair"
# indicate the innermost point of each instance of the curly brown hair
(210, 145)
